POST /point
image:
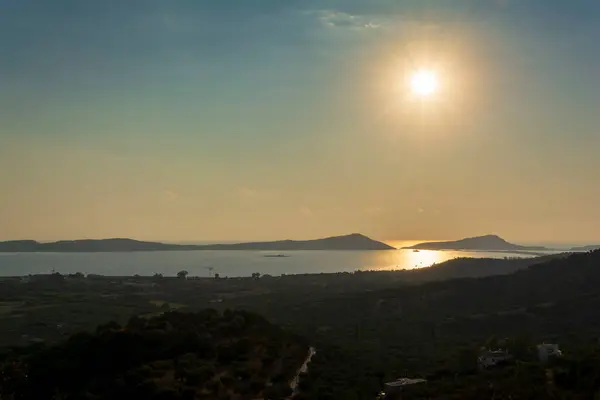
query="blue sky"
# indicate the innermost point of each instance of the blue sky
(263, 119)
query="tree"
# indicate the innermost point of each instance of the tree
(56, 276)
(467, 360)
(111, 326)
(167, 356)
(278, 391)
(493, 343)
(380, 375)
(182, 274)
(521, 347)
(136, 323)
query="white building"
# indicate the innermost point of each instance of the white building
(398, 385)
(546, 350)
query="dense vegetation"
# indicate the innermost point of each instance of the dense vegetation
(370, 327)
(426, 330)
(571, 377)
(48, 307)
(234, 355)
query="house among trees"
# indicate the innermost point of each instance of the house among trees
(489, 358)
(397, 386)
(546, 351)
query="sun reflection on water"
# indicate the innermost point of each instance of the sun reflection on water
(407, 258)
(404, 258)
(423, 258)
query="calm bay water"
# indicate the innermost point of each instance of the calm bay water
(226, 263)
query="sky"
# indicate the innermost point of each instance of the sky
(206, 120)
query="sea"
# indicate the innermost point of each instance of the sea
(206, 263)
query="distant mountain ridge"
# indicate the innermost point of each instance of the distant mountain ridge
(353, 241)
(486, 242)
(591, 247)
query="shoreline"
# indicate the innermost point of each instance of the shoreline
(73, 276)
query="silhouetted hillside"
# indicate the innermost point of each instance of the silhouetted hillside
(87, 245)
(204, 355)
(420, 330)
(348, 242)
(586, 248)
(364, 335)
(355, 241)
(466, 267)
(487, 242)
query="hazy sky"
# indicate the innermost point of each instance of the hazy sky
(266, 119)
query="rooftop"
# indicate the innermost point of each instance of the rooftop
(404, 382)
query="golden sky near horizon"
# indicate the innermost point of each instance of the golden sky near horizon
(399, 123)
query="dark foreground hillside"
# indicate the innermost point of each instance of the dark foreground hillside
(425, 331)
(204, 355)
(368, 327)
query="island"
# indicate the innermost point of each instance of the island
(591, 247)
(479, 243)
(353, 241)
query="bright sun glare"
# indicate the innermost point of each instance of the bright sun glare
(424, 83)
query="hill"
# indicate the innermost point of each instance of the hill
(466, 267)
(368, 327)
(421, 330)
(586, 248)
(87, 245)
(487, 242)
(354, 241)
(40, 307)
(204, 355)
(348, 242)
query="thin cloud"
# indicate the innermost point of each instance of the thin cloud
(373, 211)
(254, 194)
(339, 212)
(169, 195)
(338, 19)
(248, 193)
(307, 212)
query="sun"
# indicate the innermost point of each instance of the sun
(424, 83)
